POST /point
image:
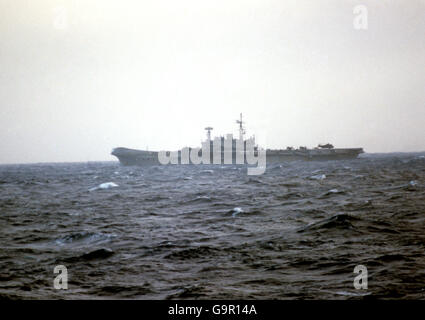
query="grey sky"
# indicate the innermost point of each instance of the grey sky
(81, 77)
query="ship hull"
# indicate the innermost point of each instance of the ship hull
(275, 156)
(132, 157)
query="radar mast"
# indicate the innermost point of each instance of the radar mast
(241, 128)
(208, 133)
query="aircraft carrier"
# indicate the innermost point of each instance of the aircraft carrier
(133, 157)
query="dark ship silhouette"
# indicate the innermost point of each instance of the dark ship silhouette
(327, 151)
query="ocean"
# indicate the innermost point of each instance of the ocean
(214, 232)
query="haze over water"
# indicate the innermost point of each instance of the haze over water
(79, 78)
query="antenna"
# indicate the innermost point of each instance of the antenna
(241, 128)
(208, 133)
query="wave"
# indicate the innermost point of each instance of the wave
(193, 253)
(102, 253)
(85, 238)
(338, 221)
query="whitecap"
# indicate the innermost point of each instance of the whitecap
(203, 197)
(85, 238)
(236, 211)
(318, 177)
(105, 185)
(353, 294)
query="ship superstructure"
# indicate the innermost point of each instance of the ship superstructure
(228, 150)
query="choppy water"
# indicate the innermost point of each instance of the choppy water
(199, 232)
